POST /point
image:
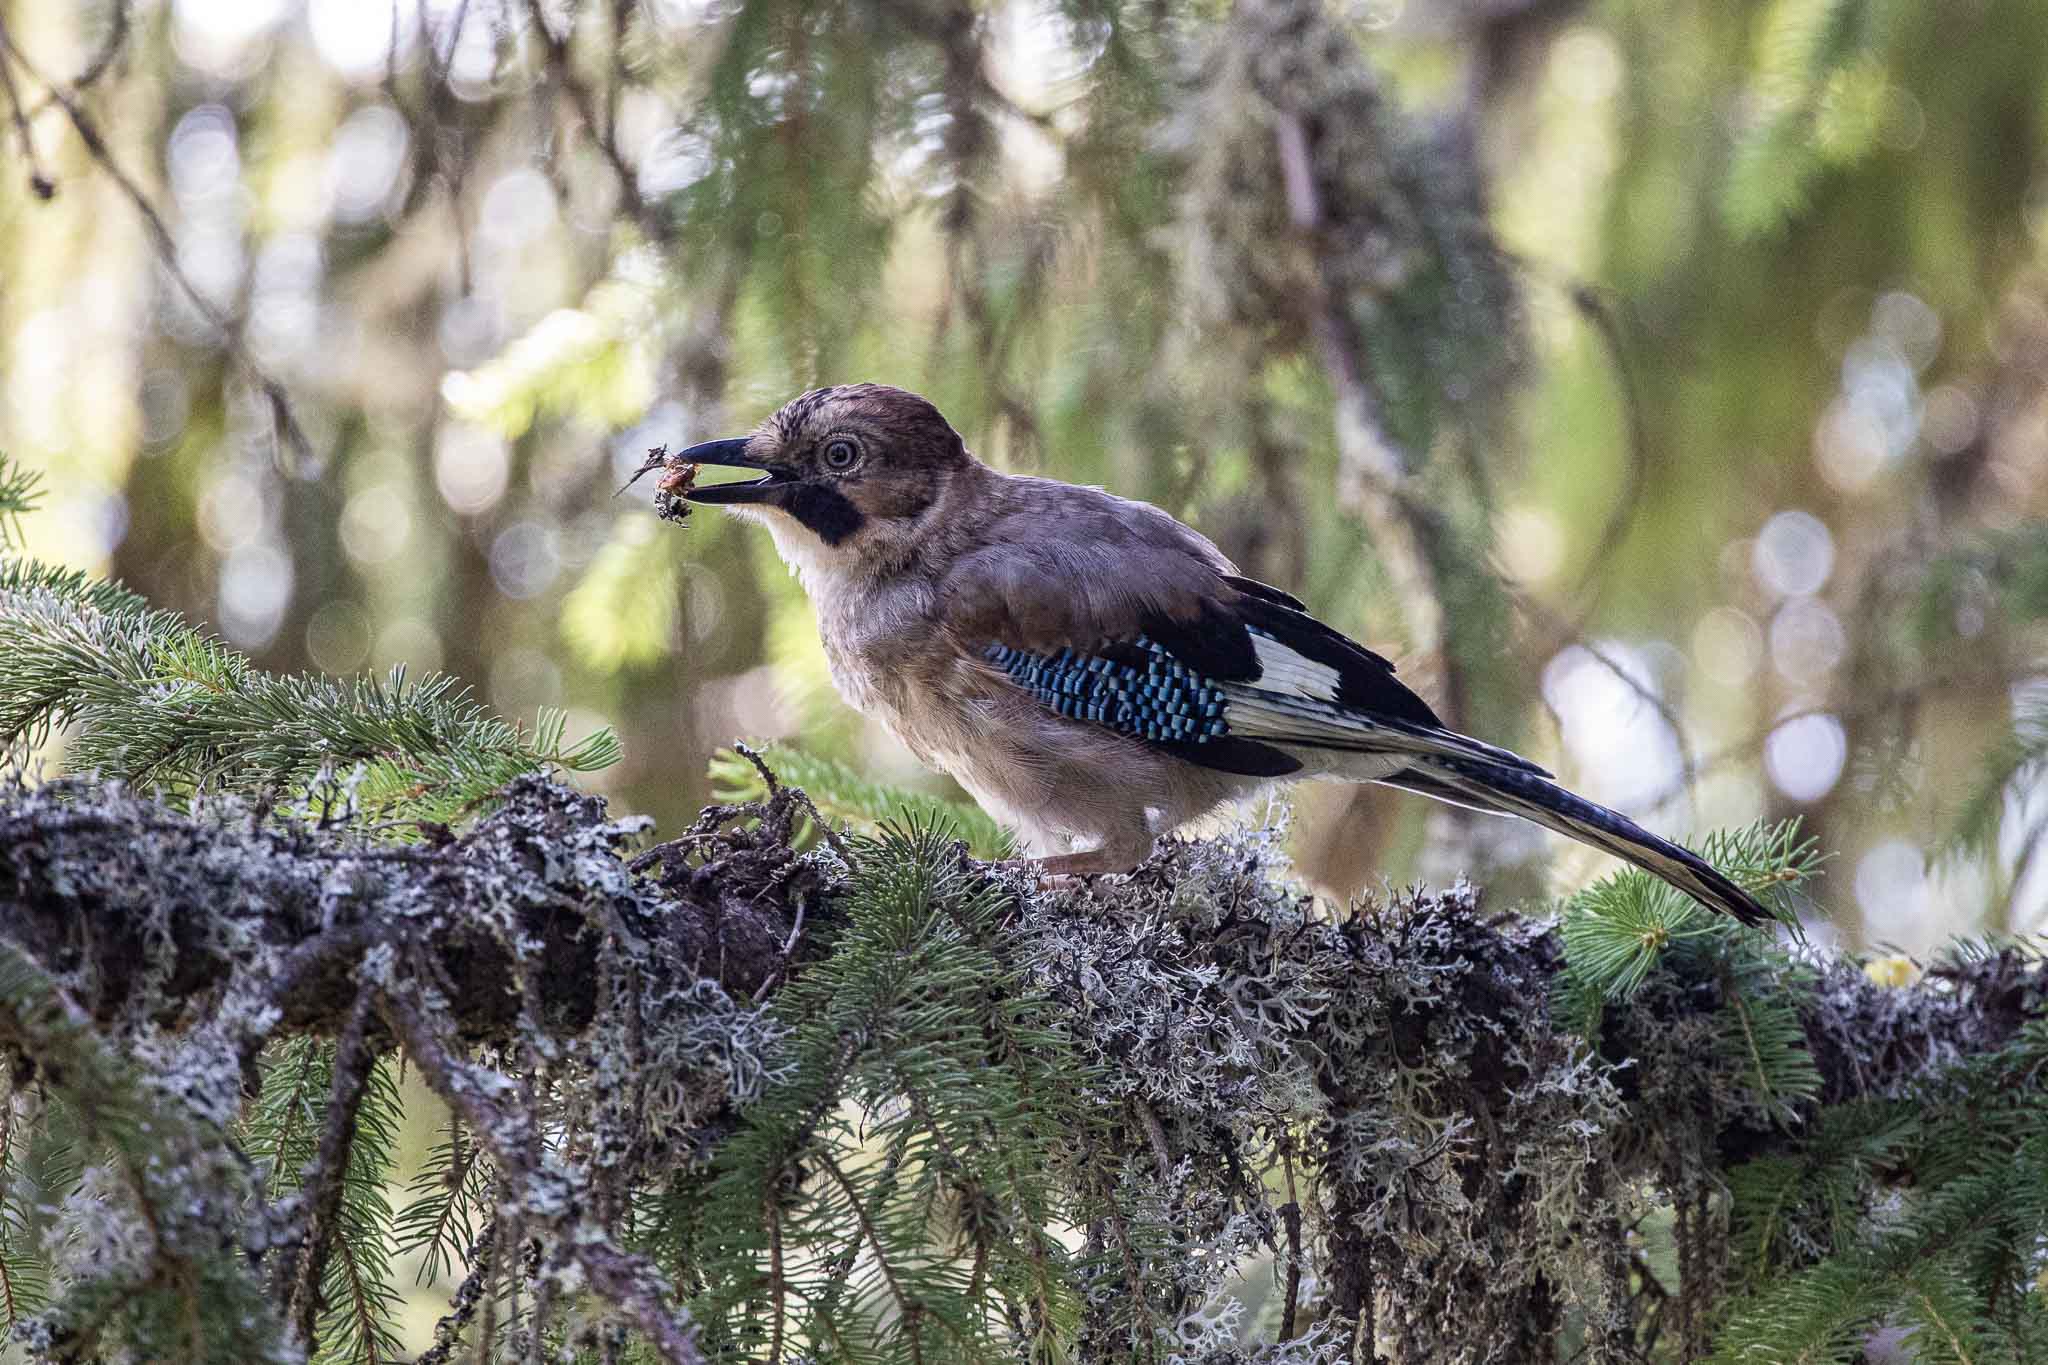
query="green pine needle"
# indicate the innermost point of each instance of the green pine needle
(150, 699)
(1624, 930)
(361, 1298)
(21, 490)
(898, 1166)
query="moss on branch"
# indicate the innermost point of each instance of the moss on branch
(1196, 1068)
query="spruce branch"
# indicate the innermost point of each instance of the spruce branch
(946, 1068)
(24, 1276)
(140, 1269)
(447, 1204)
(148, 698)
(362, 1308)
(21, 491)
(538, 1190)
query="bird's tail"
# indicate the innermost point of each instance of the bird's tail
(1500, 789)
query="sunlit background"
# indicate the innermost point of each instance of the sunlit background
(1758, 494)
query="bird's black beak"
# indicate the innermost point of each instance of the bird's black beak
(732, 453)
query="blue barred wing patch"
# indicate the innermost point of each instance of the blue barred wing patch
(1137, 689)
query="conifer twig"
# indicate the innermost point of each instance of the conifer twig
(353, 1058)
(626, 1280)
(1290, 1213)
(463, 1305)
(38, 181)
(598, 130)
(911, 1310)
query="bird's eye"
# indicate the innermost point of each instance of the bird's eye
(841, 452)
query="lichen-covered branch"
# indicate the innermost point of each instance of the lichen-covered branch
(197, 940)
(143, 909)
(951, 1075)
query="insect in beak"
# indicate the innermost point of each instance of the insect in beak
(672, 489)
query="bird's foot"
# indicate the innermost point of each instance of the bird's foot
(1096, 862)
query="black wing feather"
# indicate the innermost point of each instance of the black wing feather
(1229, 754)
(1215, 644)
(1252, 587)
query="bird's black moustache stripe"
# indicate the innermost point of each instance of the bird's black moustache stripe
(824, 510)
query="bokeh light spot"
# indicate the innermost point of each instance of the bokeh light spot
(364, 162)
(1907, 321)
(1805, 755)
(1727, 646)
(1586, 65)
(471, 467)
(518, 207)
(203, 157)
(375, 525)
(1849, 446)
(1807, 640)
(233, 510)
(1793, 554)
(223, 37)
(355, 36)
(166, 405)
(523, 679)
(1531, 544)
(338, 637)
(525, 559)
(255, 589)
(407, 641)
(1612, 730)
(1891, 890)
(1950, 419)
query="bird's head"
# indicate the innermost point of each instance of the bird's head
(849, 474)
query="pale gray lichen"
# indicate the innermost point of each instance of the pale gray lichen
(1365, 1122)
(1460, 1148)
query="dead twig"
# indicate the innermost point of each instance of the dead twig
(1290, 1214)
(596, 128)
(470, 1293)
(1603, 315)
(286, 425)
(328, 1173)
(102, 61)
(38, 181)
(511, 1135)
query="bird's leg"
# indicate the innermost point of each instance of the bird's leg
(1093, 863)
(1114, 855)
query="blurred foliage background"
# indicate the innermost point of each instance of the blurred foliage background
(1662, 381)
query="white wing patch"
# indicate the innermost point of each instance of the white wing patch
(1283, 670)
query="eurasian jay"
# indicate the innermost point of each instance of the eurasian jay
(1093, 672)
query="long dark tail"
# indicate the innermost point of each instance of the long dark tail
(1500, 789)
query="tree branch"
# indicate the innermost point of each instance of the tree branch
(1453, 1109)
(328, 1174)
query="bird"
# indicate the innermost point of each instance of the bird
(1092, 671)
